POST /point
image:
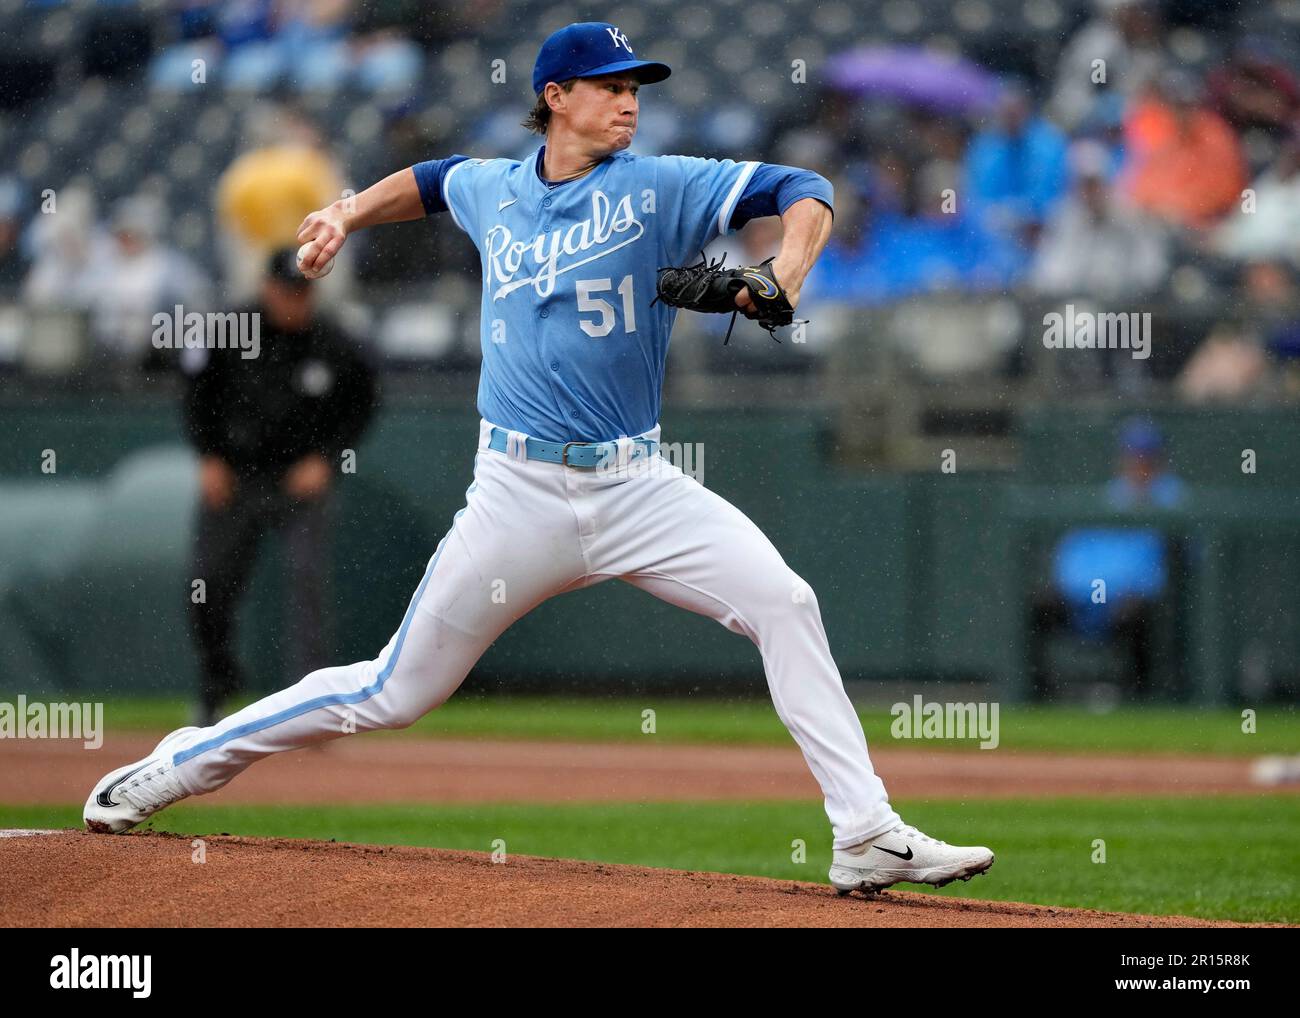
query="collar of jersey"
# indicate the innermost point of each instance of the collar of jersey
(548, 186)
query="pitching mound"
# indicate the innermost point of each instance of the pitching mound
(70, 878)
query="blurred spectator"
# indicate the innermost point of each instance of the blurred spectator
(1228, 365)
(1127, 38)
(256, 45)
(1134, 563)
(1255, 89)
(214, 31)
(1186, 165)
(308, 50)
(1233, 362)
(319, 54)
(1268, 289)
(70, 249)
(1105, 126)
(1269, 227)
(141, 277)
(265, 194)
(270, 431)
(14, 263)
(889, 251)
(938, 152)
(932, 252)
(937, 246)
(823, 136)
(1015, 168)
(1095, 248)
(390, 37)
(1143, 478)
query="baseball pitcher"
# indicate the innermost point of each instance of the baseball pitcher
(587, 252)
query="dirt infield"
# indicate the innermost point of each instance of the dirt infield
(75, 879)
(414, 769)
(71, 878)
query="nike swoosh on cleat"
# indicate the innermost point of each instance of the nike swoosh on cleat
(892, 852)
(103, 798)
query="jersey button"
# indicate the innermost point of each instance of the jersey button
(544, 313)
(573, 414)
(555, 365)
(546, 202)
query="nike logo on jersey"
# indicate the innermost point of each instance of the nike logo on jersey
(506, 204)
(506, 257)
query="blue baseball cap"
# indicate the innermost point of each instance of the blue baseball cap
(587, 49)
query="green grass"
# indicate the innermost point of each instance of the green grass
(754, 722)
(1212, 857)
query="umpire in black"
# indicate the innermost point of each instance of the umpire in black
(270, 431)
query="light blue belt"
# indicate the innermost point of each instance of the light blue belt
(574, 454)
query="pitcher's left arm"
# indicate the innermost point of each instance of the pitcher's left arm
(807, 227)
(805, 202)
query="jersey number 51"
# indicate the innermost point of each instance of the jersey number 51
(605, 324)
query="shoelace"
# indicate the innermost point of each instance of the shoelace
(902, 830)
(141, 793)
(908, 831)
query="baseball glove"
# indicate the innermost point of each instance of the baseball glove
(712, 289)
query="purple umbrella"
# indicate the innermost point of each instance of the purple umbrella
(916, 75)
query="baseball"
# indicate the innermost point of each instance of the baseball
(312, 273)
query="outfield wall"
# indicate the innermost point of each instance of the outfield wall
(918, 575)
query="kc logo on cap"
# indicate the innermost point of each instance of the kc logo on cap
(620, 39)
(587, 49)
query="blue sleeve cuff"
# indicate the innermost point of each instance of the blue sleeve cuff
(773, 188)
(429, 176)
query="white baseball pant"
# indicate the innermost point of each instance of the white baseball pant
(531, 529)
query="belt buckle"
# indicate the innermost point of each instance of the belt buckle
(564, 453)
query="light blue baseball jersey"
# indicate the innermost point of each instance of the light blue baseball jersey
(572, 348)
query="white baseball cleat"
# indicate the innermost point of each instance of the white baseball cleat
(132, 794)
(905, 855)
